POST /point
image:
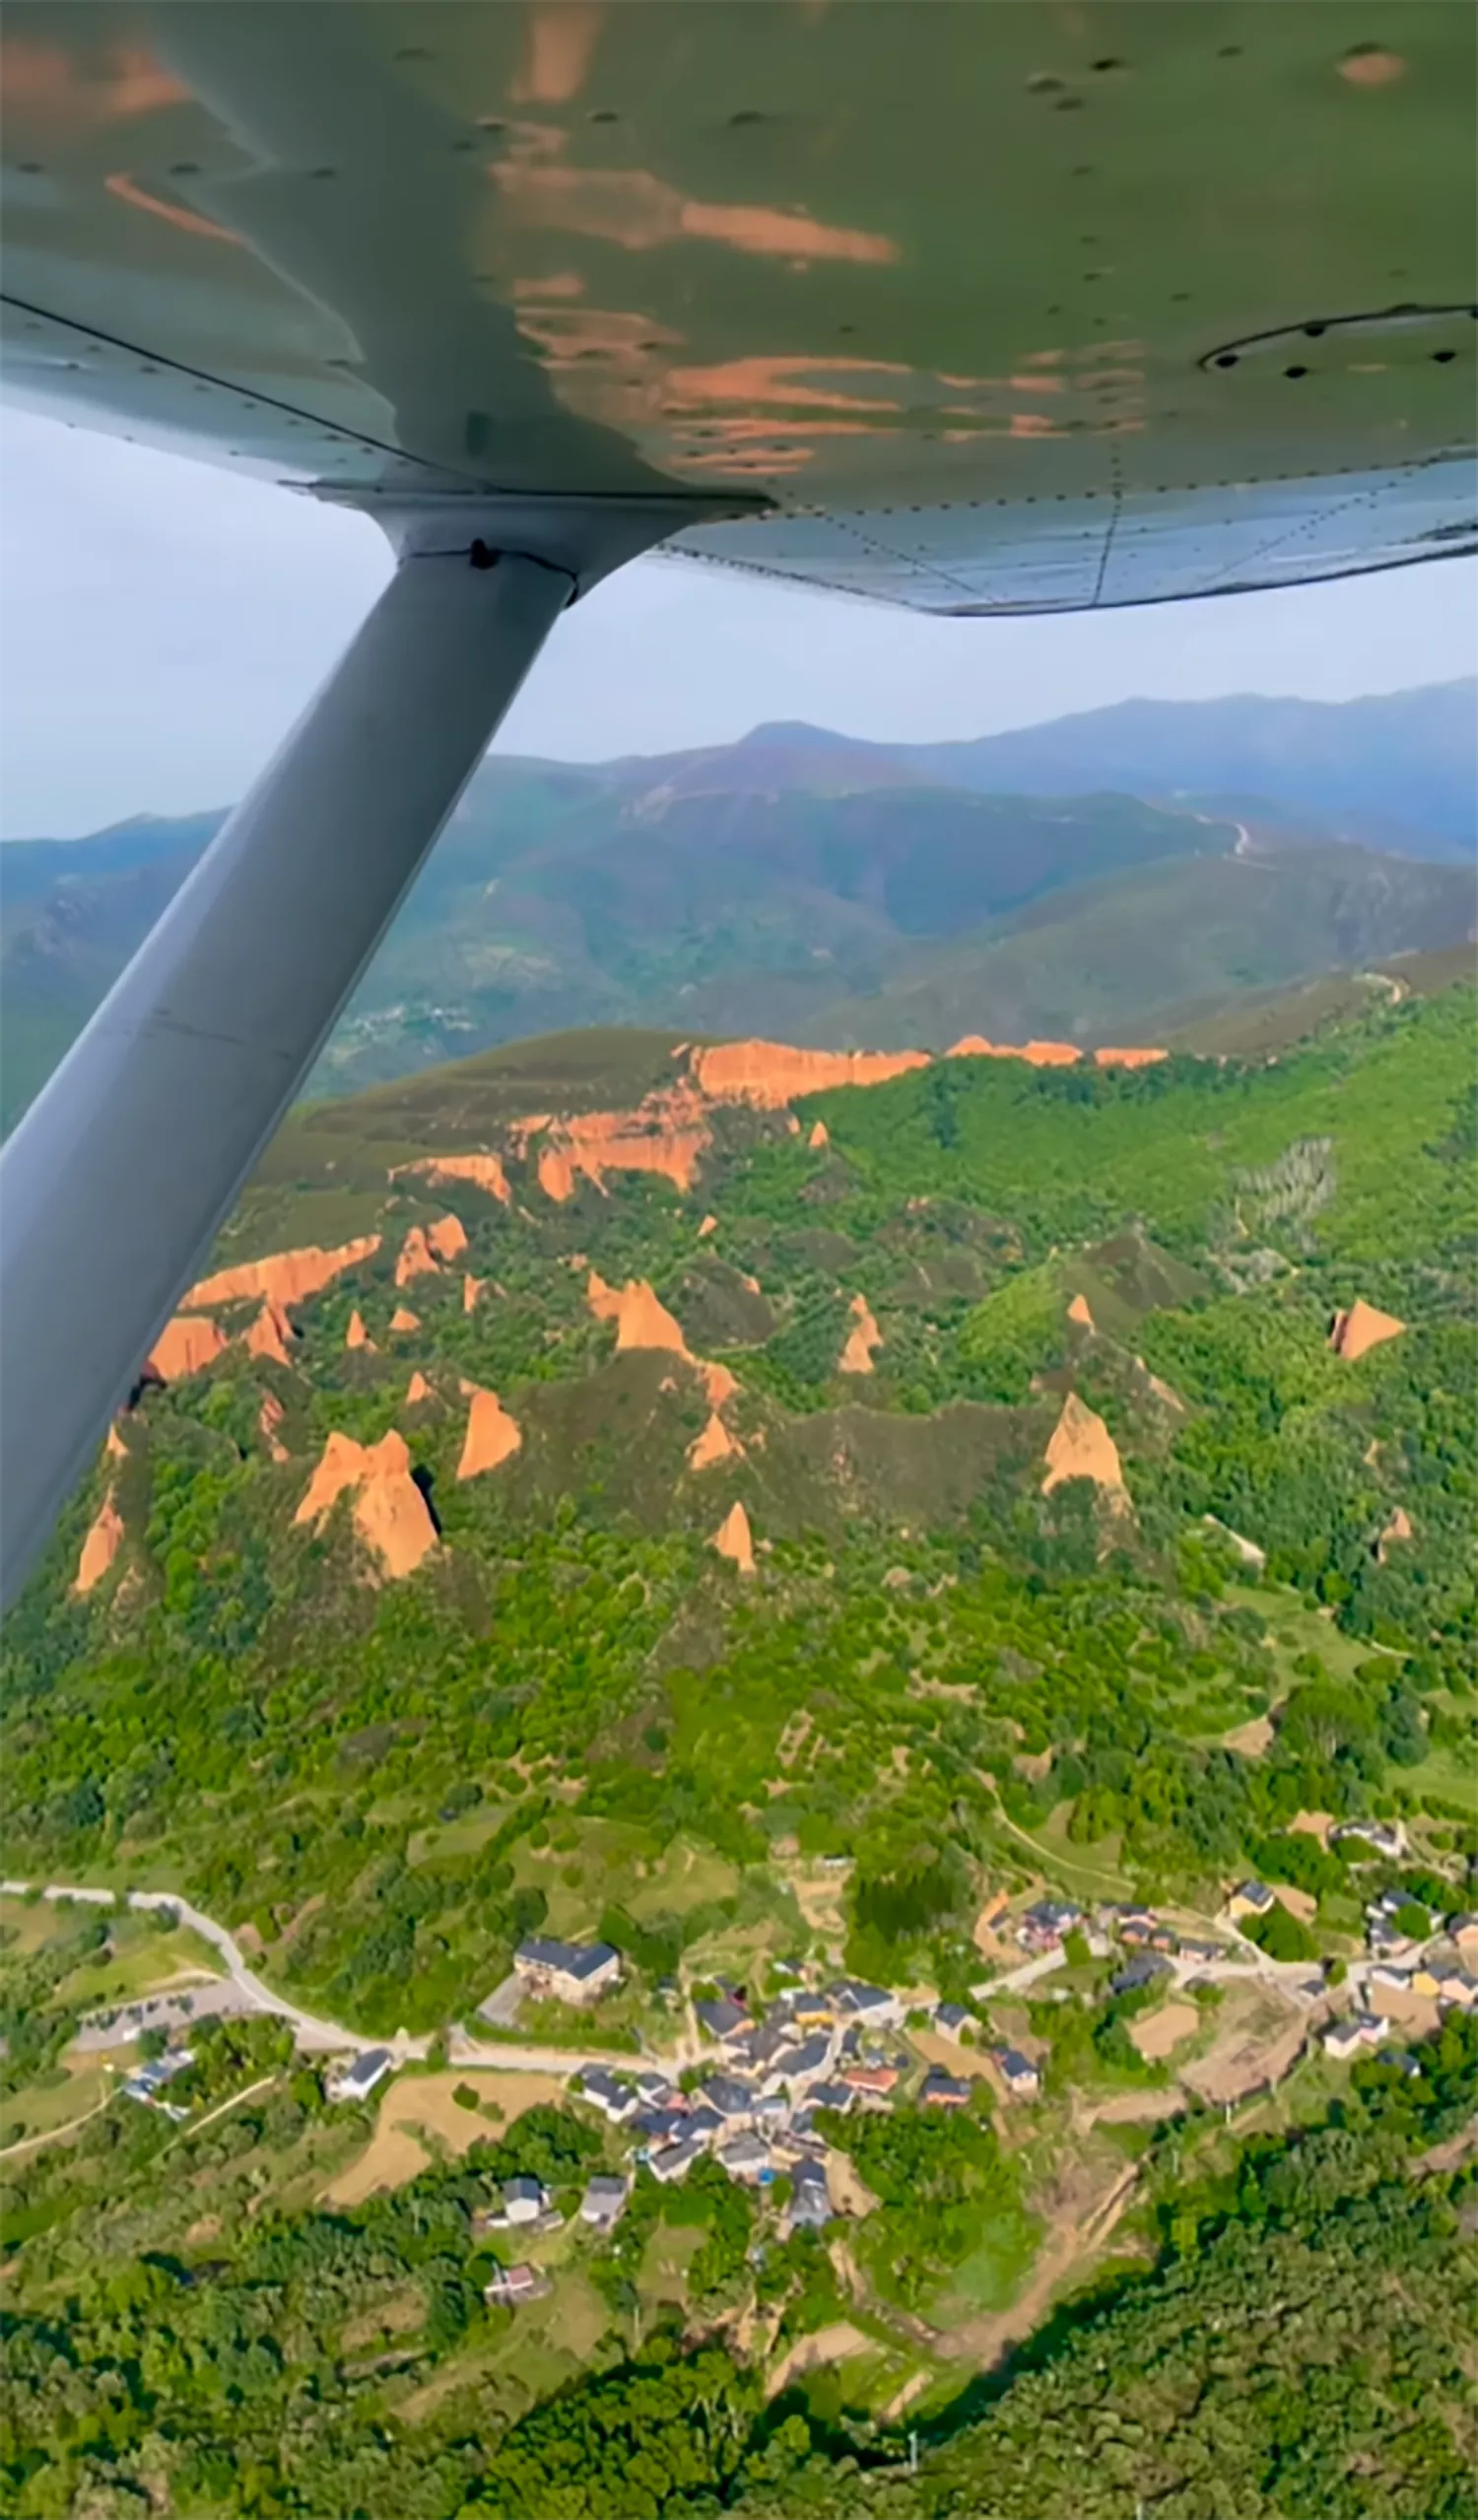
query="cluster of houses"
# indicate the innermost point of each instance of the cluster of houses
(1442, 1972)
(526, 2207)
(757, 2110)
(1045, 1926)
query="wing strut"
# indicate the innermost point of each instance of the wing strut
(121, 1172)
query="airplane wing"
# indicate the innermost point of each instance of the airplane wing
(977, 308)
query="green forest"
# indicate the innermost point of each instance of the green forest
(944, 1678)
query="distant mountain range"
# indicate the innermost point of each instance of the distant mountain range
(1111, 874)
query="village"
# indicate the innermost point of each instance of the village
(755, 2071)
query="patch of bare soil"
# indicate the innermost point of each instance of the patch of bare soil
(1259, 2035)
(1157, 2035)
(810, 2354)
(845, 2189)
(1250, 1739)
(421, 2104)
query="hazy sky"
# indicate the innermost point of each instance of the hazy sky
(162, 622)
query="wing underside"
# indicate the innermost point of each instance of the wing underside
(978, 307)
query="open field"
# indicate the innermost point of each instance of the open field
(1258, 2034)
(1158, 2034)
(418, 2105)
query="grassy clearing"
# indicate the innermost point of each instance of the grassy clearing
(38, 2108)
(420, 2117)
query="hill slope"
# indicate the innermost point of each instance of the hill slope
(773, 1511)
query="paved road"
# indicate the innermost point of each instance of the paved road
(312, 2034)
(322, 2037)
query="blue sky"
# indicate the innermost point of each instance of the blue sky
(162, 622)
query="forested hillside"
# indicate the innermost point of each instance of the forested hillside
(837, 892)
(780, 1515)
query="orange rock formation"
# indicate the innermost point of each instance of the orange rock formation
(289, 1277)
(733, 1540)
(771, 1074)
(485, 1172)
(863, 1336)
(357, 1335)
(666, 1134)
(1398, 1528)
(1361, 1328)
(416, 1257)
(640, 1321)
(472, 1287)
(185, 1346)
(492, 1435)
(102, 1545)
(819, 1135)
(715, 1443)
(448, 1238)
(114, 1446)
(416, 1388)
(1050, 1054)
(708, 1226)
(719, 1383)
(270, 1332)
(1078, 1311)
(269, 1418)
(390, 1513)
(402, 1319)
(1036, 1054)
(1080, 1447)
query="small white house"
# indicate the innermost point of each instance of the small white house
(522, 2200)
(604, 2199)
(356, 2079)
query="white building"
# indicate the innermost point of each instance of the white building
(358, 2078)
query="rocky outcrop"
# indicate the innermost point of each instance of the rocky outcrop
(357, 1335)
(1050, 1054)
(482, 1171)
(819, 1135)
(714, 1443)
(492, 1435)
(103, 1540)
(185, 1346)
(770, 1074)
(734, 1540)
(403, 1318)
(269, 1418)
(447, 1237)
(270, 1332)
(667, 1134)
(1078, 1312)
(719, 1383)
(862, 1340)
(1354, 1333)
(640, 1321)
(416, 1388)
(472, 1287)
(708, 1226)
(1399, 1528)
(1080, 1447)
(389, 1511)
(416, 1259)
(288, 1277)
(114, 1446)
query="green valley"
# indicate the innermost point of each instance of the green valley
(743, 1754)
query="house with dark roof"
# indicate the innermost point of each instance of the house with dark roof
(604, 2201)
(810, 2199)
(943, 2091)
(722, 2018)
(574, 1972)
(1019, 2074)
(358, 2078)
